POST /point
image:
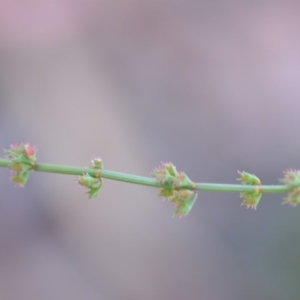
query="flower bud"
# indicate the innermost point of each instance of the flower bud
(183, 207)
(22, 161)
(247, 178)
(291, 178)
(293, 197)
(96, 163)
(92, 184)
(165, 174)
(251, 199)
(292, 181)
(176, 187)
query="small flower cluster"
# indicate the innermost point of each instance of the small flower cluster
(292, 181)
(176, 187)
(22, 161)
(92, 183)
(251, 199)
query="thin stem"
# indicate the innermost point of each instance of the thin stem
(49, 168)
(231, 188)
(69, 170)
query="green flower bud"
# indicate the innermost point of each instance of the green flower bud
(293, 197)
(291, 178)
(22, 161)
(92, 184)
(176, 187)
(251, 199)
(183, 207)
(247, 178)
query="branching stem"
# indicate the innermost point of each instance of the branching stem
(147, 181)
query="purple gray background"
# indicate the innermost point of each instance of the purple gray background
(212, 86)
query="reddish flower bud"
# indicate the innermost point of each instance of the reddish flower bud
(22, 161)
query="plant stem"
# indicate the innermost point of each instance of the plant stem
(147, 181)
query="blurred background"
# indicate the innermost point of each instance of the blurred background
(212, 86)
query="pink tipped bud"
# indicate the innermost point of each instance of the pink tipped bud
(29, 151)
(293, 197)
(291, 178)
(247, 178)
(292, 181)
(251, 199)
(176, 187)
(22, 161)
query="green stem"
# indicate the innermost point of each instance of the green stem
(69, 170)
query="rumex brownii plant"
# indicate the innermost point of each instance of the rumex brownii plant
(175, 186)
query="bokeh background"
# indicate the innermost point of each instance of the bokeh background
(212, 86)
